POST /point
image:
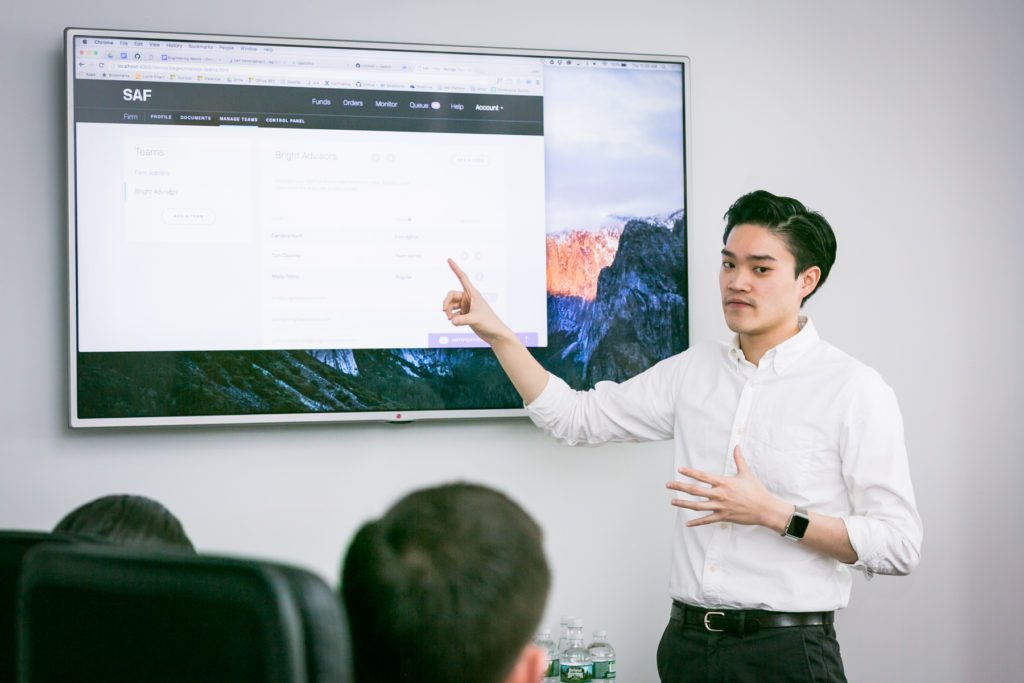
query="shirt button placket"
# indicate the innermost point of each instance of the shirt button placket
(739, 426)
(714, 560)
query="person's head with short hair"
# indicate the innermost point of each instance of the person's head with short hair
(806, 233)
(777, 254)
(447, 587)
(126, 520)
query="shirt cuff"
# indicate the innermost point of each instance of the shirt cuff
(859, 534)
(881, 547)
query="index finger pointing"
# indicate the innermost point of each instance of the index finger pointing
(463, 278)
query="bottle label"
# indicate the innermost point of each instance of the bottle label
(571, 673)
(604, 671)
(553, 669)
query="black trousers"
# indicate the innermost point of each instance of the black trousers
(802, 654)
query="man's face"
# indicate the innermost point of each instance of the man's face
(760, 294)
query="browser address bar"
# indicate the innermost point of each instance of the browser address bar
(351, 77)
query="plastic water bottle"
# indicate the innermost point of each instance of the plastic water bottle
(603, 655)
(544, 642)
(563, 638)
(575, 661)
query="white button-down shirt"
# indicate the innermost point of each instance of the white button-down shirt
(818, 428)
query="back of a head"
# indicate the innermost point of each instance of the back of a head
(808, 235)
(448, 586)
(127, 520)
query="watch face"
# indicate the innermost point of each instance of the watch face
(797, 526)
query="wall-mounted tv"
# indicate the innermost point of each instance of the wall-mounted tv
(259, 227)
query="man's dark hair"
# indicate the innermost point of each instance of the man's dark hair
(447, 587)
(807, 234)
(126, 520)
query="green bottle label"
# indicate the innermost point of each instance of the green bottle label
(604, 671)
(577, 672)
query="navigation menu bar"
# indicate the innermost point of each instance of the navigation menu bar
(223, 105)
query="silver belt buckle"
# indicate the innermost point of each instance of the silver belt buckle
(707, 622)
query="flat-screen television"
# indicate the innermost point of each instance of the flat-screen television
(259, 227)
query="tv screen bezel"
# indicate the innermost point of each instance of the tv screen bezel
(399, 416)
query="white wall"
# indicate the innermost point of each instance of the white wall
(899, 121)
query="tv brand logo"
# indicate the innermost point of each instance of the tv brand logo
(136, 94)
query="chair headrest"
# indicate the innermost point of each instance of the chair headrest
(101, 613)
(14, 546)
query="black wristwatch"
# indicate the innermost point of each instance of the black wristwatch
(797, 526)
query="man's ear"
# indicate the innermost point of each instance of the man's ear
(530, 666)
(808, 281)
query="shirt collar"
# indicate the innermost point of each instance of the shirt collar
(786, 353)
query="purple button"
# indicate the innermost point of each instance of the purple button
(469, 340)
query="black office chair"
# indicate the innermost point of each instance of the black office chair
(327, 644)
(14, 545)
(117, 614)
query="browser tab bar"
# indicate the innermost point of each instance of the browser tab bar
(241, 64)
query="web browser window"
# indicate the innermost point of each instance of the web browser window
(234, 196)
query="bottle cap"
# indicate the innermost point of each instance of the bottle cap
(543, 634)
(600, 635)
(575, 622)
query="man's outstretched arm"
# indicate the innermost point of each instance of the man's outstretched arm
(468, 307)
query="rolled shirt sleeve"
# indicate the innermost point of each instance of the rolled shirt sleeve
(884, 527)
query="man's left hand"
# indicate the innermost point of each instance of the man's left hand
(741, 499)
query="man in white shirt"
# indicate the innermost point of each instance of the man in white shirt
(791, 455)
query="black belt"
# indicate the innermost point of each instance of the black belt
(745, 621)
